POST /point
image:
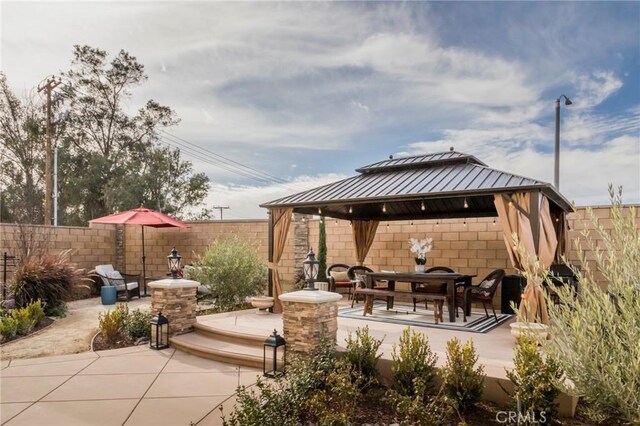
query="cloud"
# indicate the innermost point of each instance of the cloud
(595, 88)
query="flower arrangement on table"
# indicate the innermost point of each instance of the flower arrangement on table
(420, 248)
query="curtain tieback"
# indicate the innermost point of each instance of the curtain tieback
(272, 266)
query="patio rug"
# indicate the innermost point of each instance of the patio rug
(403, 314)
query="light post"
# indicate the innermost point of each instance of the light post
(310, 268)
(556, 162)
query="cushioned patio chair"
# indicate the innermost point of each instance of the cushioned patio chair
(338, 278)
(482, 293)
(125, 284)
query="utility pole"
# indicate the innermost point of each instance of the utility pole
(48, 86)
(221, 208)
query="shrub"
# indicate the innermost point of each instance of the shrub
(112, 323)
(284, 400)
(462, 380)
(50, 279)
(596, 335)
(418, 408)
(412, 359)
(36, 312)
(138, 324)
(361, 353)
(8, 327)
(535, 381)
(24, 323)
(233, 270)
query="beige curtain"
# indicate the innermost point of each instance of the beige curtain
(514, 214)
(281, 220)
(562, 232)
(363, 232)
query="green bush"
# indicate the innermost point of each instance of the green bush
(412, 359)
(361, 353)
(50, 279)
(287, 399)
(112, 323)
(233, 270)
(23, 320)
(463, 381)
(595, 336)
(419, 408)
(8, 327)
(36, 312)
(138, 324)
(535, 381)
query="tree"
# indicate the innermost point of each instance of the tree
(21, 157)
(113, 160)
(322, 250)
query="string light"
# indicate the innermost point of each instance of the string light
(336, 221)
(437, 223)
(494, 221)
(384, 207)
(557, 219)
(466, 204)
(464, 223)
(411, 224)
(319, 210)
(350, 209)
(422, 206)
(387, 225)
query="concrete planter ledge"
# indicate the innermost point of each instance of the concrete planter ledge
(310, 296)
(171, 283)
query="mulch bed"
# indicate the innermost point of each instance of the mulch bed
(102, 344)
(46, 322)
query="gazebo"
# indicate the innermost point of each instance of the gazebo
(433, 186)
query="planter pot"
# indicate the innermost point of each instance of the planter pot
(533, 330)
(420, 268)
(321, 285)
(262, 303)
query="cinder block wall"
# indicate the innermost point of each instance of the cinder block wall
(90, 246)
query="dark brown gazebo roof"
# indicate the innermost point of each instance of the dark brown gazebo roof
(429, 186)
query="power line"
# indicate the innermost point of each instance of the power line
(221, 208)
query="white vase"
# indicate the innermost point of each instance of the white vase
(419, 268)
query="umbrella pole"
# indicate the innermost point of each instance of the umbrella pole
(144, 266)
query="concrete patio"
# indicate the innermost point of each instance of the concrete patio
(129, 386)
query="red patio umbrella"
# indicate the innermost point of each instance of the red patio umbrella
(144, 217)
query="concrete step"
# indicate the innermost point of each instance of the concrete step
(231, 334)
(206, 346)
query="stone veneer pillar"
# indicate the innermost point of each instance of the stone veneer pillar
(308, 317)
(176, 299)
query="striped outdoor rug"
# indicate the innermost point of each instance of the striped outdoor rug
(403, 314)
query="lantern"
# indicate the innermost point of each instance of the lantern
(310, 268)
(270, 355)
(159, 332)
(173, 260)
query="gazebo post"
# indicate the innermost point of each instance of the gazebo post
(534, 218)
(270, 253)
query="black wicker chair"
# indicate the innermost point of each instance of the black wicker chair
(341, 282)
(482, 293)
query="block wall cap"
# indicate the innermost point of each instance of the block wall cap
(307, 296)
(171, 283)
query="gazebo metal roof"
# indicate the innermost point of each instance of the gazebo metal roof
(448, 184)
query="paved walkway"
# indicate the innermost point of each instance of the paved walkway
(129, 386)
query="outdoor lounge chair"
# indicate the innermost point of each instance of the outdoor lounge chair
(125, 284)
(338, 278)
(482, 293)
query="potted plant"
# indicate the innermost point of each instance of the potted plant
(420, 248)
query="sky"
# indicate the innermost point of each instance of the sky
(308, 92)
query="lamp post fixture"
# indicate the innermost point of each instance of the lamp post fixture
(556, 162)
(310, 268)
(173, 260)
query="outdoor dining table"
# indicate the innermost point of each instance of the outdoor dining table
(450, 278)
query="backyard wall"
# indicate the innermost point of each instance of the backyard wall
(477, 248)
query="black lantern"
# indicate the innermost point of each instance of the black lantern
(159, 332)
(276, 367)
(173, 260)
(310, 268)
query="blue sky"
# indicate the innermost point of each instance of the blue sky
(310, 91)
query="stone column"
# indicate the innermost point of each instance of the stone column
(308, 317)
(176, 299)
